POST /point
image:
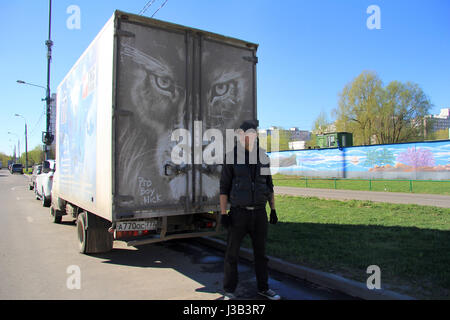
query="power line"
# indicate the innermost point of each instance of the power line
(148, 5)
(37, 123)
(160, 8)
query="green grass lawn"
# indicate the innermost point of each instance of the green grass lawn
(410, 243)
(431, 187)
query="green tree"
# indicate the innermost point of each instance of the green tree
(321, 123)
(400, 119)
(4, 159)
(359, 103)
(35, 156)
(312, 143)
(390, 114)
(442, 134)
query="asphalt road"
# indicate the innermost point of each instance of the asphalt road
(40, 260)
(389, 197)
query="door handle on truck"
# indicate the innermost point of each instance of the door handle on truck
(166, 169)
(173, 170)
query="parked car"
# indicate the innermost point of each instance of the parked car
(17, 167)
(37, 169)
(44, 183)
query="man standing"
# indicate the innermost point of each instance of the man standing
(248, 191)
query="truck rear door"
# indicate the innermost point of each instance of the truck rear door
(228, 97)
(173, 79)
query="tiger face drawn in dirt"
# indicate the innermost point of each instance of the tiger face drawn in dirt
(156, 101)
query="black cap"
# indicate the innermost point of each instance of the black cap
(249, 124)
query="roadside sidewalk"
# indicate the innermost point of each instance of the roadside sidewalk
(324, 279)
(390, 197)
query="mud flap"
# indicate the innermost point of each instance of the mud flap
(98, 239)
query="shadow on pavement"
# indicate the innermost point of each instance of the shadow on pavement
(206, 267)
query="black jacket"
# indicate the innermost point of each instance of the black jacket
(243, 183)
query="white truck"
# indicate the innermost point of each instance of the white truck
(140, 80)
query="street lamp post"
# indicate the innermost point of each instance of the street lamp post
(31, 84)
(48, 138)
(13, 148)
(18, 142)
(26, 141)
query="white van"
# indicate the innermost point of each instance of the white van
(44, 183)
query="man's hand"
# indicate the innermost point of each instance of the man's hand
(273, 216)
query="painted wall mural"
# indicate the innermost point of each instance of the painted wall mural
(420, 160)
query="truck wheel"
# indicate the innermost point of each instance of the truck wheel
(82, 232)
(56, 218)
(95, 238)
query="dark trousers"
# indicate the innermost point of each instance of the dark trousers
(243, 222)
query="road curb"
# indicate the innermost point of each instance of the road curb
(324, 279)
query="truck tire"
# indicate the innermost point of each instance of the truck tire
(56, 216)
(82, 232)
(93, 235)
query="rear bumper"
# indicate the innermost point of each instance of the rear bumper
(161, 238)
(206, 226)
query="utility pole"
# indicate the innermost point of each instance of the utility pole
(18, 145)
(48, 137)
(26, 148)
(26, 141)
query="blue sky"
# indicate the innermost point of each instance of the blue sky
(309, 50)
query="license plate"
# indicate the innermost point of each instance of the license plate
(136, 225)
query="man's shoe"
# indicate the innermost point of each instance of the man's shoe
(269, 294)
(229, 296)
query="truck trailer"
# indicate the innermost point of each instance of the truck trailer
(137, 83)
